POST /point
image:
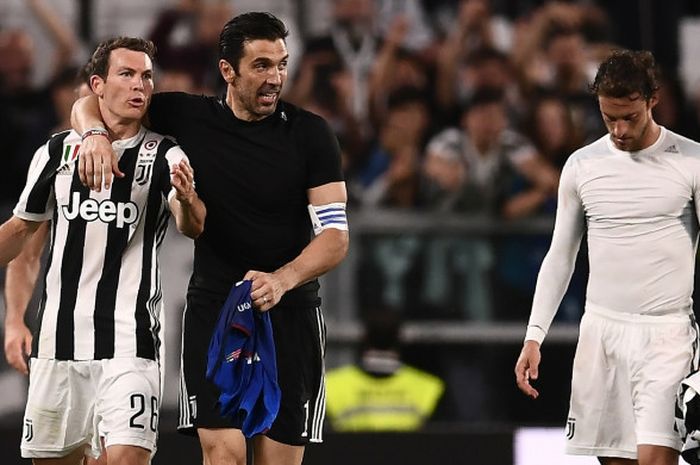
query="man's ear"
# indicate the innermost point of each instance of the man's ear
(654, 99)
(97, 85)
(227, 71)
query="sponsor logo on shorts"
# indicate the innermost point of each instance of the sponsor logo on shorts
(28, 430)
(570, 428)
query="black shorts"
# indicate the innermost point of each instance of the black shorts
(300, 338)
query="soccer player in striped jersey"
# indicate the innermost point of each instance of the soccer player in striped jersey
(260, 162)
(95, 377)
(635, 193)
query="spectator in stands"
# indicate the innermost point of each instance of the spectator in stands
(191, 61)
(469, 58)
(352, 42)
(553, 55)
(27, 112)
(472, 169)
(466, 169)
(396, 67)
(389, 177)
(379, 392)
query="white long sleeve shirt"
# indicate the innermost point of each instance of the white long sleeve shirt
(640, 211)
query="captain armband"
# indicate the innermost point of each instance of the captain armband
(329, 216)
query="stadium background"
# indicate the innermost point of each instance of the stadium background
(460, 276)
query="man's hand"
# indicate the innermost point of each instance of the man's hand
(97, 163)
(527, 368)
(267, 289)
(182, 179)
(18, 345)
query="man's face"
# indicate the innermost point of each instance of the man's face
(127, 90)
(262, 72)
(628, 120)
(485, 123)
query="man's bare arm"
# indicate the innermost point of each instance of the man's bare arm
(322, 254)
(97, 162)
(20, 279)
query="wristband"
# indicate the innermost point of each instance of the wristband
(95, 132)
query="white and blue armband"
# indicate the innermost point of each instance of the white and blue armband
(329, 216)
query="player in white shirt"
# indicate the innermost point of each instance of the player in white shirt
(94, 372)
(635, 193)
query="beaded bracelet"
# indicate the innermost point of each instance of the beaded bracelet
(95, 132)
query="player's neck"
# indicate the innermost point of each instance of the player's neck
(651, 135)
(119, 127)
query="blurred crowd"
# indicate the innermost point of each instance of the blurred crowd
(464, 107)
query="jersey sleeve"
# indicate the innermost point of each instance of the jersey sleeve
(323, 151)
(37, 201)
(558, 264)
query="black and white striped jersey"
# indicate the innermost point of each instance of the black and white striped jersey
(102, 296)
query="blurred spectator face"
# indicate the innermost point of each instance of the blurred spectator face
(566, 53)
(354, 12)
(172, 80)
(484, 124)
(405, 125)
(127, 90)
(491, 73)
(627, 120)
(409, 73)
(16, 60)
(262, 74)
(551, 124)
(211, 19)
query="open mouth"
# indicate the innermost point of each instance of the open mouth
(137, 102)
(267, 98)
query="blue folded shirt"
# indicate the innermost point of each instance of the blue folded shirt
(242, 363)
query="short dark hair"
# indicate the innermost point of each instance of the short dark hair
(486, 96)
(244, 28)
(627, 72)
(99, 62)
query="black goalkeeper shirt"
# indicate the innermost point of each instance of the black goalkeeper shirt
(253, 178)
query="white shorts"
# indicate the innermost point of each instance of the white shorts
(74, 403)
(626, 372)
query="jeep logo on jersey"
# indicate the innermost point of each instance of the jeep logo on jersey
(107, 211)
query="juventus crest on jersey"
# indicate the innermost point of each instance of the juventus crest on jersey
(103, 295)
